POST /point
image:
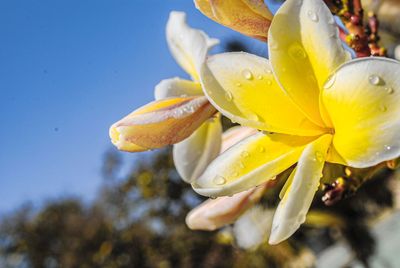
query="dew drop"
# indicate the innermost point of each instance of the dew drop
(247, 74)
(245, 154)
(261, 149)
(389, 90)
(238, 84)
(219, 180)
(228, 96)
(383, 108)
(297, 52)
(241, 165)
(374, 79)
(252, 116)
(268, 71)
(235, 174)
(269, 82)
(330, 82)
(312, 16)
(388, 147)
(260, 77)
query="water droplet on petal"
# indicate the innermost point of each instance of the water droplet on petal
(247, 74)
(269, 82)
(219, 180)
(374, 80)
(389, 90)
(383, 108)
(260, 77)
(261, 149)
(312, 16)
(297, 52)
(235, 174)
(252, 116)
(228, 96)
(245, 154)
(330, 82)
(268, 71)
(388, 147)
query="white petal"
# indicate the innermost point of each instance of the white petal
(191, 156)
(176, 87)
(249, 163)
(188, 46)
(363, 101)
(292, 209)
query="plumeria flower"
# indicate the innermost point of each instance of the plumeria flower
(216, 213)
(311, 103)
(249, 17)
(181, 114)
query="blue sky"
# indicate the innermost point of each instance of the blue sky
(69, 69)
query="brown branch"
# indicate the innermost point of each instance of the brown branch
(362, 39)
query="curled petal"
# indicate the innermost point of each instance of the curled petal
(234, 135)
(162, 122)
(249, 163)
(215, 213)
(304, 48)
(188, 46)
(249, 17)
(362, 98)
(192, 155)
(176, 87)
(300, 189)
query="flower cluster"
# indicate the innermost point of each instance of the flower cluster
(308, 104)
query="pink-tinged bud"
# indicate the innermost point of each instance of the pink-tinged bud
(249, 17)
(160, 123)
(215, 213)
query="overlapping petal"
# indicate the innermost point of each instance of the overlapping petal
(215, 213)
(249, 17)
(234, 135)
(176, 87)
(162, 122)
(192, 155)
(241, 86)
(304, 49)
(253, 228)
(188, 46)
(249, 163)
(304, 181)
(362, 98)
